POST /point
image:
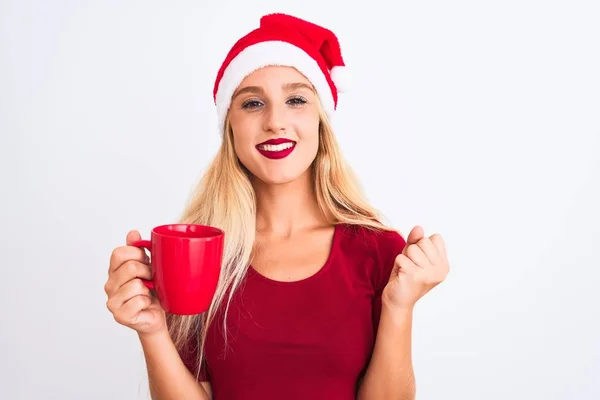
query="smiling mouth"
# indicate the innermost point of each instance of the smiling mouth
(275, 147)
(276, 151)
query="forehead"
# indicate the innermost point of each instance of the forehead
(274, 76)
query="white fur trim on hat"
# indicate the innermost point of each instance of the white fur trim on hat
(342, 78)
(266, 54)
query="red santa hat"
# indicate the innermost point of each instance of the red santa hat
(284, 40)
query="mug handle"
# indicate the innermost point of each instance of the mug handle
(145, 244)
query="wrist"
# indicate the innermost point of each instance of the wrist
(389, 302)
(395, 313)
(154, 337)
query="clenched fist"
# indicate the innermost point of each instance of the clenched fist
(421, 266)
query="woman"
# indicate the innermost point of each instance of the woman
(316, 295)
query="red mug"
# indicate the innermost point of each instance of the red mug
(186, 263)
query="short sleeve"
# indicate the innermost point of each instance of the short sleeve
(389, 245)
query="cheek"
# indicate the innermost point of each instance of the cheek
(309, 132)
(244, 151)
(243, 137)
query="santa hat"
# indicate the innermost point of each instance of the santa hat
(284, 40)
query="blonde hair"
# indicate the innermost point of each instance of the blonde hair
(225, 198)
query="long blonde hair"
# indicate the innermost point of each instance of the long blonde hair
(225, 198)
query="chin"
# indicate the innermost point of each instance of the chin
(277, 178)
(280, 174)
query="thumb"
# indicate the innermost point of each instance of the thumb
(133, 236)
(414, 236)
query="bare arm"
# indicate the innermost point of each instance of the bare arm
(390, 373)
(168, 376)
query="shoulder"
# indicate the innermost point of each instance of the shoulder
(381, 246)
(382, 242)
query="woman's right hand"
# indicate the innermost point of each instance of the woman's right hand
(129, 300)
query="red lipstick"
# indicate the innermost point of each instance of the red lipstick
(276, 153)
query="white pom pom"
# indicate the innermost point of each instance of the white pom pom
(342, 78)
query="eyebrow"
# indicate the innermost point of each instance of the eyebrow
(286, 87)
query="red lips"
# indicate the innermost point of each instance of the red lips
(276, 155)
(277, 141)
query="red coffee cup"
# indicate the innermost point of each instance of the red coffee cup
(186, 263)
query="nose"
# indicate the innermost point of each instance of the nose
(274, 119)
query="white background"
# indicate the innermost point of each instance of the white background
(478, 120)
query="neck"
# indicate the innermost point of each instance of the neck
(285, 209)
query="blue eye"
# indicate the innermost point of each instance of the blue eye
(251, 104)
(296, 101)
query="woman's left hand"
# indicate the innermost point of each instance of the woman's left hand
(420, 267)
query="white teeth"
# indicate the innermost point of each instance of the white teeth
(276, 147)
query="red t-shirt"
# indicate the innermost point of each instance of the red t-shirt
(309, 339)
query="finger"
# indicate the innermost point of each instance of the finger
(439, 243)
(124, 253)
(131, 310)
(134, 287)
(405, 265)
(417, 256)
(131, 269)
(132, 236)
(414, 236)
(430, 251)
